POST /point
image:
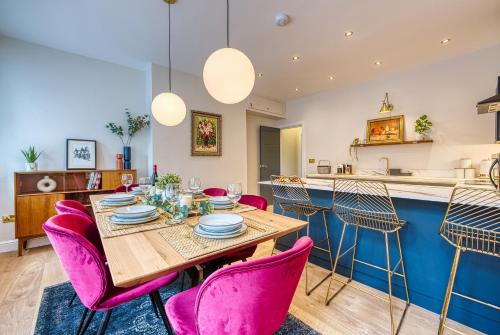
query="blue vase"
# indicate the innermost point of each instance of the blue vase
(127, 157)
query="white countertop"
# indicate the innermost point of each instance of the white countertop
(419, 180)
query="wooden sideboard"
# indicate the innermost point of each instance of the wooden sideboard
(33, 207)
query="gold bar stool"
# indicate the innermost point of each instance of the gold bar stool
(471, 223)
(291, 196)
(367, 205)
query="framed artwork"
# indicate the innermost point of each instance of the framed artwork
(80, 154)
(385, 130)
(206, 134)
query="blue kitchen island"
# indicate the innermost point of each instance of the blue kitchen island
(427, 256)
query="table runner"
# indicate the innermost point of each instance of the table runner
(189, 245)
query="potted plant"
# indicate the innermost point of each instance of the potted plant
(135, 124)
(31, 156)
(422, 127)
(167, 179)
(169, 186)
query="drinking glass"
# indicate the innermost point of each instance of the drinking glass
(145, 185)
(173, 195)
(194, 184)
(234, 191)
(127, 180)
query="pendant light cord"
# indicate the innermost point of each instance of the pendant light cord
(169, 57)
(227, 23)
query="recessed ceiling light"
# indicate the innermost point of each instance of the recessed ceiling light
(295, 58)
(331, 78)
(296, 89)
(348, 33)
(378, 63)
(446, 41)
(260, 74)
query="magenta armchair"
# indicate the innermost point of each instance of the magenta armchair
(72, 207)
(245, 298)
(214, 192)
(87, 271)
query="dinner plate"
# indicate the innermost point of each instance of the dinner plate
(198, 231)
(220, 200)
(117, 204)
(116, 220)
(119, 197)
(230, 206)
(220, 230)
(131, 212)
(221, 220)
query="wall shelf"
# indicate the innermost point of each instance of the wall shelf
(393, 143)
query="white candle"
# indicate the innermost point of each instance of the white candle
(187, 199)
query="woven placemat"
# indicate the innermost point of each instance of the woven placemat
(189, 245)
(100, 208)
(108, 229)
(240, 208)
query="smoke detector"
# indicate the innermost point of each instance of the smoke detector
(282, 19)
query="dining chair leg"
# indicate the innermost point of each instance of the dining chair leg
(389, 284)
(87, 323)
(159, 304)
(183, 277)
(104, 322)
(154, 305)
(72, 299)
(82, 320)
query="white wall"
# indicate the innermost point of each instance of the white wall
(290, 151)
(447, 91)
(171, 146)
(47, 96)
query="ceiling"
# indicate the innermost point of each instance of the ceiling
(399, 33)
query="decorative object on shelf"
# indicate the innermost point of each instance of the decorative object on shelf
(80, 154)
(31, 156)
(168, 108)
(385, 130)
(228, 73)
(206, 134)
(135, 124)
(119, 161)
(423, 127)
(46, 184)
(386, 107)
(353, 148)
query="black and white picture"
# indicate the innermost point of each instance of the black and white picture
(80, 154)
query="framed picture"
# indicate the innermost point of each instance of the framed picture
(80, 154)
(385, 130)
(206, 134)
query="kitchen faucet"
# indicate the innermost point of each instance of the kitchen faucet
(387, 169)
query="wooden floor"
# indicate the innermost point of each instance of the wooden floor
(22, 280)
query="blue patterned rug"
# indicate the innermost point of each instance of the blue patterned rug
(136, 317)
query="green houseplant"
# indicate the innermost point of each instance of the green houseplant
(167, 179)
(135, 124)
(423, 127)
(31, 156)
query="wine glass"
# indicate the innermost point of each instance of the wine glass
(194, 184)
(145, 185)
(234, 191)
(127, 180)
(173, 195)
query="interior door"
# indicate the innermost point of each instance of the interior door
(269, 158)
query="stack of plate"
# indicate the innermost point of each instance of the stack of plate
(221, 202)
(118, 199)
(220, 226)
(136, 190)
(134, 214)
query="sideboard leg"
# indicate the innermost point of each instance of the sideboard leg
(21, 245)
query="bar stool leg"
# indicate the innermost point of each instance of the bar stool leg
(389, 284)
(403, 270)
(449, 289)
(354, 252)
(328, 299)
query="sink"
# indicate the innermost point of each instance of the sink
(399, 172)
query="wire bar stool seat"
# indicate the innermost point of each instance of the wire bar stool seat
(291, 196)
(368, 205)
(471, 223)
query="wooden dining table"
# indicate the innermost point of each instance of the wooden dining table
(142, 256)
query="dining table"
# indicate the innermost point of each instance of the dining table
(137, 255)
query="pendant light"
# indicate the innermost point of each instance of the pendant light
(168, 108)
(386, 107)
(228, 74)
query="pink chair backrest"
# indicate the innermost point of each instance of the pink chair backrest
(72, 207)
(252, 297)
(215, 192)
(84, 265)
(122, 188)
(254, 200)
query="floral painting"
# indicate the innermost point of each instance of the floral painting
(385, 130)
(206, 134)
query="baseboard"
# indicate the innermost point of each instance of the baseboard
(11, 245)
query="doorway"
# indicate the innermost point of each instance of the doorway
(291, 151)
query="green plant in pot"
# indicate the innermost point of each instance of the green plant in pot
(31, 156)
(169, 186)
(135, 124)
(422, 127)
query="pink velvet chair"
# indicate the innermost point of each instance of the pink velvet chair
(121, 189)
(245, 298)
(87, 271)
(72, 207)
(214, 192)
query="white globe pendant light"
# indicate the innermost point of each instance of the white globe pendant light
(168, 108)
(228, 74)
